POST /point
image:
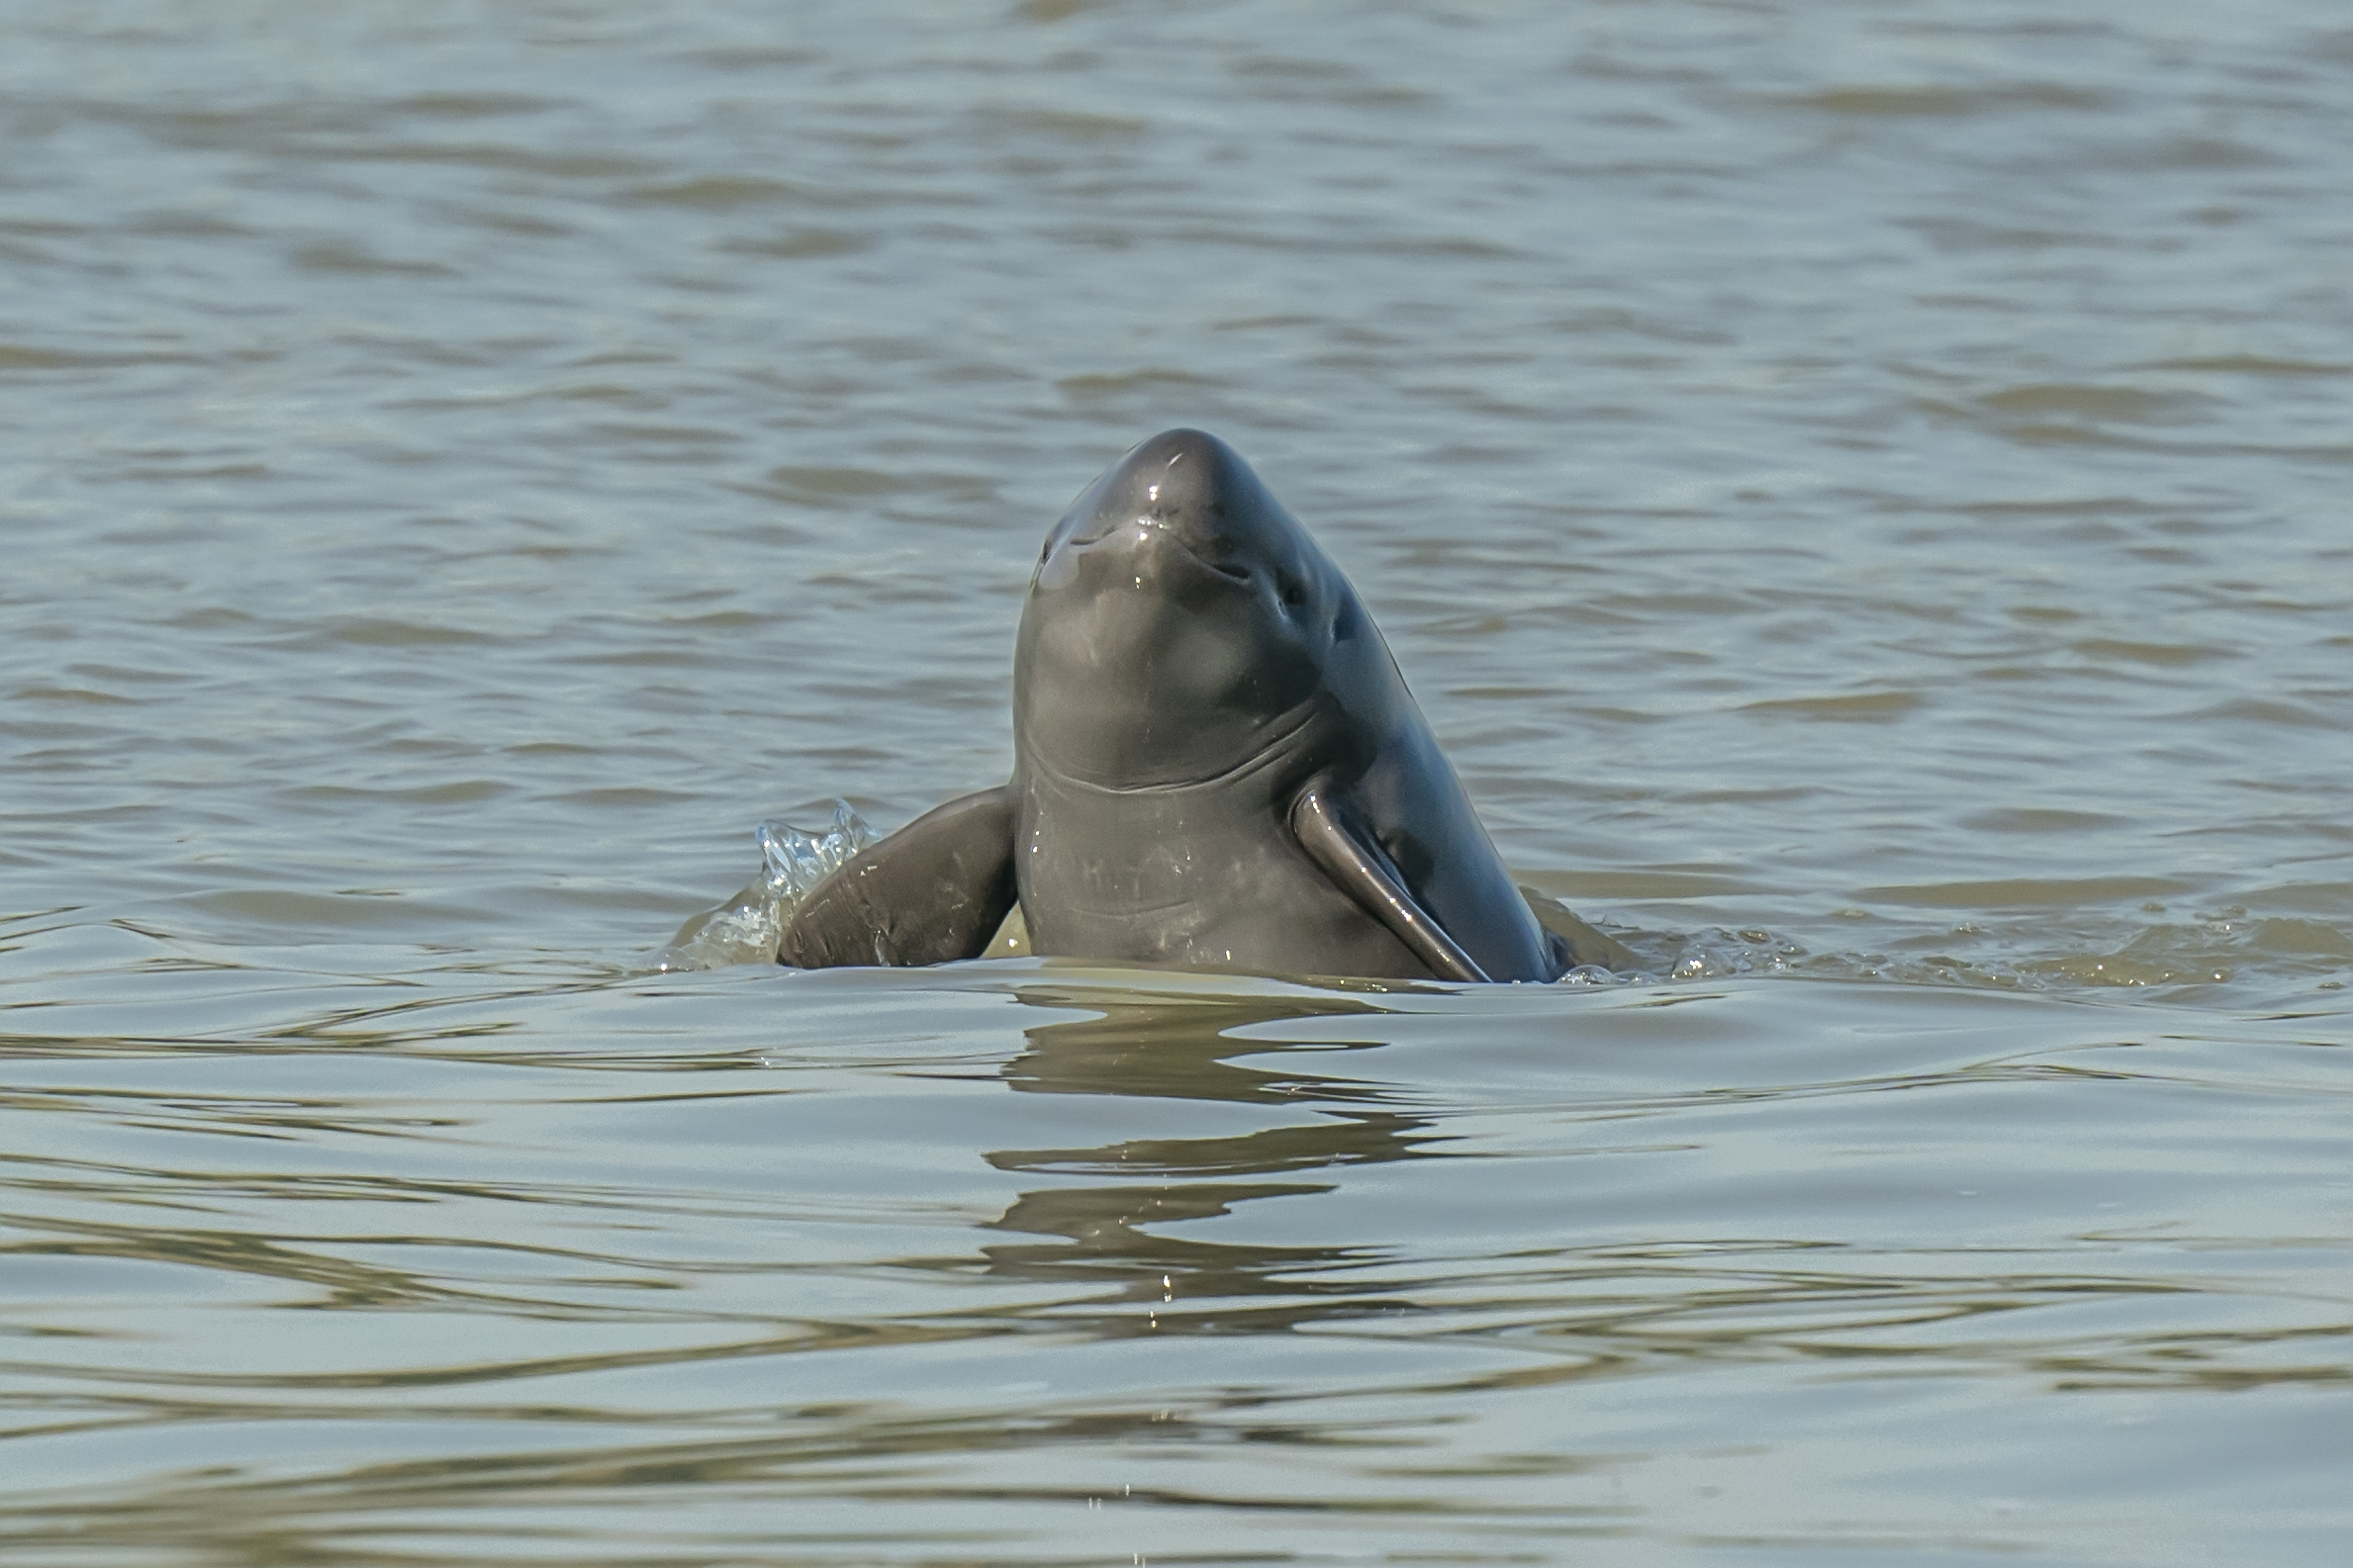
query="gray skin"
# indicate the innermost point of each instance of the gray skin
(1216, 765)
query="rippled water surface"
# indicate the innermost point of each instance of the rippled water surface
(1859, 491)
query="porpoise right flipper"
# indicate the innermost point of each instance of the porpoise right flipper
(1012, 938)
(1364, 874)
(931, 892)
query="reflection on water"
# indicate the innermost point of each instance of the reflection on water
(1474, 1264)
(1857, 490)
(1181, 1047)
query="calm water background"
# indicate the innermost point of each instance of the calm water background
(1859, 488)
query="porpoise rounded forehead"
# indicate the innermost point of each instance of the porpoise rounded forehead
(1182, 476)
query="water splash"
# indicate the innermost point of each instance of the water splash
(1712, 954)
(745, 929)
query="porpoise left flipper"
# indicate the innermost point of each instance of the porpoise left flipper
(931, 892)
(1356, 864)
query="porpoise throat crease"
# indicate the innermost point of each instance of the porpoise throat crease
(1216, 763)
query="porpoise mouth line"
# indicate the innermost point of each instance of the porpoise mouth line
(1238, 575)
(1271, 751)
(1230, 574)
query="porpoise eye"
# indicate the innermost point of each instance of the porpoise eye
(1293, 596)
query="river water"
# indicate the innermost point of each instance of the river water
(1858, 489)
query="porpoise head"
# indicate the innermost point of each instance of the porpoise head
(1180, 622)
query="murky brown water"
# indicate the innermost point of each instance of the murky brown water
(1860, 491)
